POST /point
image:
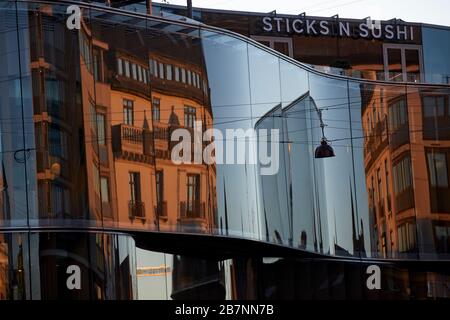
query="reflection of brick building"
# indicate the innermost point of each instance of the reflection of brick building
(406, 169)
(141, 96)
(57, 119)
(180, 98)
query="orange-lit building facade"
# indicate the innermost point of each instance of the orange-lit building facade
(405, 161)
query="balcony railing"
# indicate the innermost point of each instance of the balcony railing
(132, 142)
(161, 131)
(194, 210)
(136, 209)
(161, 209)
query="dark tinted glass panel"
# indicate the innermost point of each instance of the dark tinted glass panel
(412, 63)
(14, 103)
(83, 266)
(334, 177)
(227, 63)
(395, 70)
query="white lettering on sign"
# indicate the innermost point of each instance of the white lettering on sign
(368, 28)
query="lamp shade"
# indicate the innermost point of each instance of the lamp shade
(324, 150)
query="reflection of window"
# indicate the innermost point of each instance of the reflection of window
(437, 169)
(197, 76)
(189, 79)
(135, 187)
(402, 175)
(54, 94)
(98, 125)
(437, 162)
(183, 75)
(60, 200)
(398, 122)
(442, 238)
(57, 140)
(168, 72)
(139, 69)
(85, 50)
(126, 66)
(128, 116)
(177, 73)
(159, 187)
(189, 116)
(154, 66)
(436, 117)
(145, 75)
(156, 109)
(193, 192)
(403, 184)
(434, 106)
(134, 71)
(398, 114)
(161, 70)
(98, 65)
(104, 185)
(93, 117)
(407, 241)
(101, 133)
(120, 66)
(136, 206)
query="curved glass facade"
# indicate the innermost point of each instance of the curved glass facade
(91, 120)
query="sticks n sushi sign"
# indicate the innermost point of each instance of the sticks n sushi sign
(336, 27)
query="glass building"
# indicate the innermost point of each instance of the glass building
(96, 102)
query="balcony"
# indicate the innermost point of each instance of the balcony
(161, 210)
(161, 131)
(195, 210)
(136, 210)
(133, 143)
